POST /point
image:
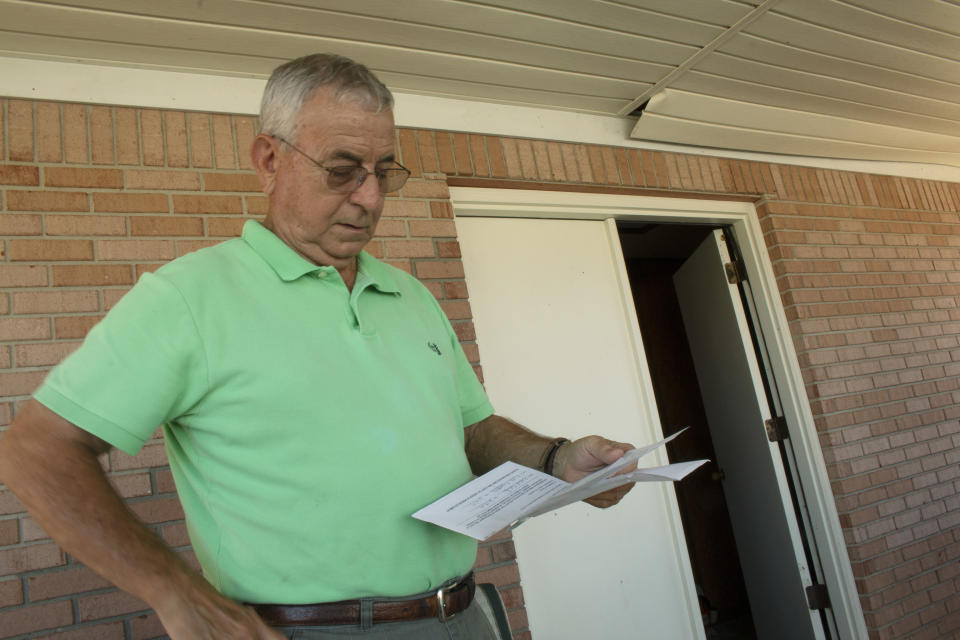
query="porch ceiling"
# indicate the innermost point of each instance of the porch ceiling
(864, 79)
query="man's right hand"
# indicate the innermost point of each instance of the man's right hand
(201, 613)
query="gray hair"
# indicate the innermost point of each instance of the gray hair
(292, 83)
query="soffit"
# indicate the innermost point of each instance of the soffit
(865, 79)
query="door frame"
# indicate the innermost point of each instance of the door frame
(741, 217)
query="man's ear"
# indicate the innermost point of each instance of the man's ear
(264, 153)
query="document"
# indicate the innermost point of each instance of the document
(510, 494)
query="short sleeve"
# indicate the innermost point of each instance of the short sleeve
(474, 403)
(143, 365)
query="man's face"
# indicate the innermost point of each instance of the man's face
(326, 227)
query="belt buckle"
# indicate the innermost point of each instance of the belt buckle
(441, 607)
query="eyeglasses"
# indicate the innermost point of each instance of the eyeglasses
(348, 178)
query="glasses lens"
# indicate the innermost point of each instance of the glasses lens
(343, 178)
(391, 180)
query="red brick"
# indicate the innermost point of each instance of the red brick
(43, 354)
(67, 327)
(256, 205)
(223, 149)
(511, 157)
(24, 329)
(66, 582)
(439, 209)
(446, 162)
(528, 160)
(410, 249)
(21, 384)
(20, 129)
(162, 180)
(76, 148)
(176, 136)
(135, 249)
(426, 189)
(27, 302)
(20, 175)
(44, 250)
(101, 135)
(90, 274)
(108, 605)
(507, 574)
(448, 249)
(158, 510)
(49, 138)
(21, 224)
(428, 151)
(225, 227)
(151, 136)
(409, 155)
(86, 225)
(176, 535)
(165, 226)
(456, 289)
(246, 128)
(35, 618)
(231, 182)
(9, 534)
(405, 209)
(498, 167)
(30, 558)
(11, 592)
(459, 310)
(112, 296)
(201, 142)
(478, 153)
(47, 201)
(128, 140)
(131, 202)
(10, 504)
(388, 228)
(151, 455)
(108, 631)
(207, 204)
(440, 269)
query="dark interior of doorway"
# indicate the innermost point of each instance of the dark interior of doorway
(653, 252)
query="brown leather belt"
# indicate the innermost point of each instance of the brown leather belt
(443, 604)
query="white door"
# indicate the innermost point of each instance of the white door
(764, 524)
(560, 352)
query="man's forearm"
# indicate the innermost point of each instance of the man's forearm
(60, 481)
(495, 440)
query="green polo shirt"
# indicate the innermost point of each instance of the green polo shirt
(304, 423)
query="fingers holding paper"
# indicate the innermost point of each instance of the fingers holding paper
(578, 459)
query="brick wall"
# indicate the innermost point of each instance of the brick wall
(868, 267)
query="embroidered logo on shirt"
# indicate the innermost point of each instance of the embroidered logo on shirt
(433, 347)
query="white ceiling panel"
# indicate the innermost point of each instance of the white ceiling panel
(862, 79)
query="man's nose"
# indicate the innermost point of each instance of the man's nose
(368, 194)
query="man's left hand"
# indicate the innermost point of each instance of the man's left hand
(579, 458)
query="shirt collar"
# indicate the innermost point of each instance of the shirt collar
(290, 265)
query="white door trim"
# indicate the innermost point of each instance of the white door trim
(742, 217)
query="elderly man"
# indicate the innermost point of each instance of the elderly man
(312, 398)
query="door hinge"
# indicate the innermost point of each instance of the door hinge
(777, 429)
(735, 272)
(817, 597)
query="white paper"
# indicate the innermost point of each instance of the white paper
(512, 493)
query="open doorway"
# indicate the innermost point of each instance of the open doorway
(653, 253)
(744, 536)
